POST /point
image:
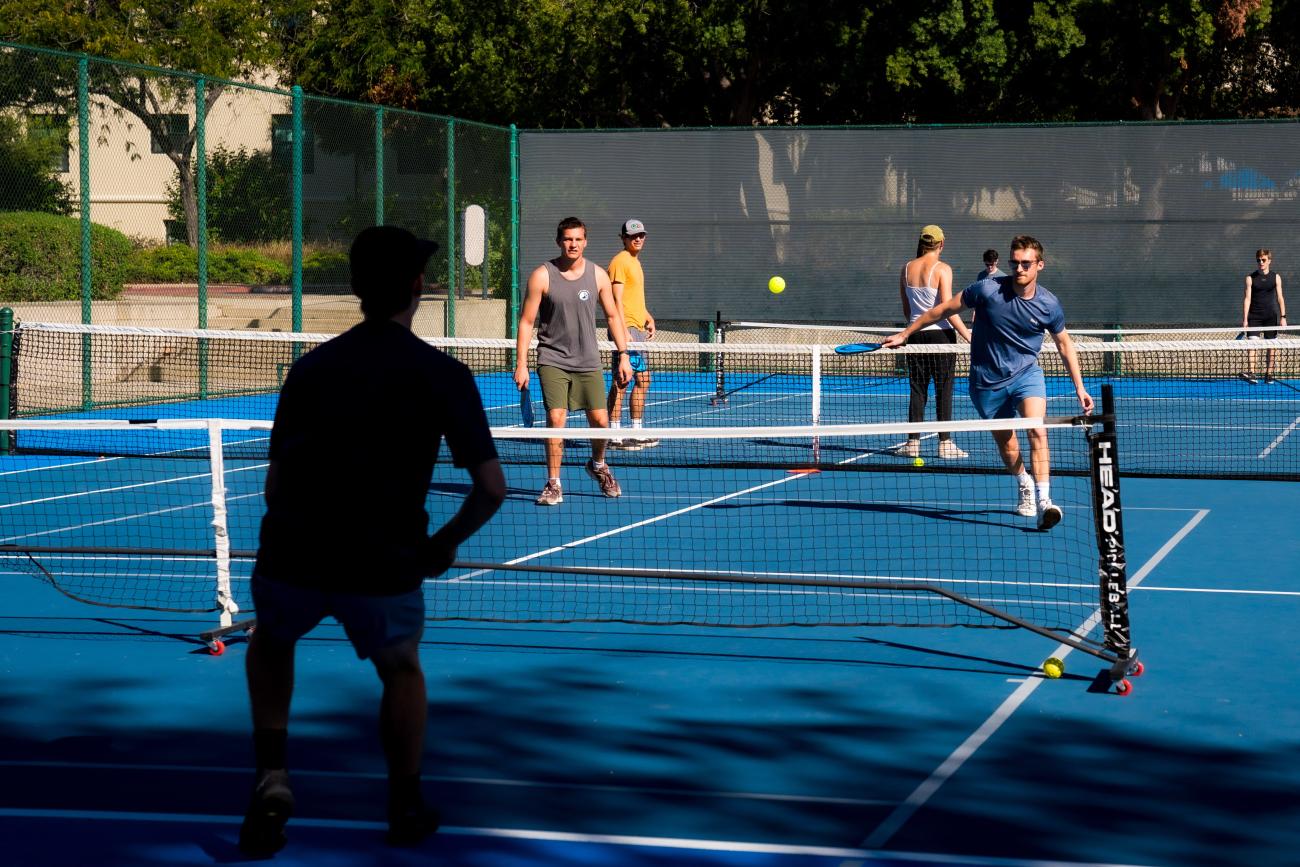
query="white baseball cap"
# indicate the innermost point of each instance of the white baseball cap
(633, 227)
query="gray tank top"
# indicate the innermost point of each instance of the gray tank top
(566, 331)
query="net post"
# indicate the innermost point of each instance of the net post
(6, 377)
(220, 525)
(1112, 568)
(719, 363)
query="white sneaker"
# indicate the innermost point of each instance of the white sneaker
(949, 450)
(646, 443)
(1025, 506)
(1049, 515)
(625, 445)
(909, 449)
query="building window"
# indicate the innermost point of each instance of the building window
(51, 131)
(282, 144)
(178, 131)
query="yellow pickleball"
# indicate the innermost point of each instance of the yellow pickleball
(776, 285)
(918, 462)
(1053, 668)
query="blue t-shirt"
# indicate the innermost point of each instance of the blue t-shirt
(1008, 332)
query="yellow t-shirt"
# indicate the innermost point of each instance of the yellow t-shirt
(626, 269)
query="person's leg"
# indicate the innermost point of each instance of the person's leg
(614, 404)
(1049, 514)
(994, 403)
(640, 389)
(387, 630)
(588, 390)
(285, 614)
(556, 385)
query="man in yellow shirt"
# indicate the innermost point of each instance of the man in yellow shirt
(629, 293)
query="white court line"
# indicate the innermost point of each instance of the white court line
(9, 540)
(922, 793)
(778, 849)
(1280, 437)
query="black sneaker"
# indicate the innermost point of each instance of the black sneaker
(262, 834)
(1268, 379)
(1247, 377)
(413, 826)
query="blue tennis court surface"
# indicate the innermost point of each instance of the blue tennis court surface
(124, 742)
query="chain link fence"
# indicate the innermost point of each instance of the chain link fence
(143, 196)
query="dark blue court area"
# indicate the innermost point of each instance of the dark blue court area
(124, 741)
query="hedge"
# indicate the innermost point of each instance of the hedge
(40, 258)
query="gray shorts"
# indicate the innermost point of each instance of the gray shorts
(287, 612)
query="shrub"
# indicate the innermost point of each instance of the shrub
(26, 181)
(40, 258)
(248, 197)
(180, 264)
(326, 268)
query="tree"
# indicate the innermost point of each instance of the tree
(226, 39)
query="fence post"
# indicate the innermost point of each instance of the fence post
(379, 166)
(6, 376)
(83, 145)
(513, 324)
(297, 208)
(450, 326)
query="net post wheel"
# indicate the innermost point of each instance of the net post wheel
(776, 285)
(1053, 667)
(918, 462)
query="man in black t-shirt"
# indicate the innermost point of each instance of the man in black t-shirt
(356, 435)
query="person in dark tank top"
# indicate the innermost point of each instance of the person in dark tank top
(561, 304)
(1263, 307)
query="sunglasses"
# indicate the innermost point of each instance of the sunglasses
(1026, 264)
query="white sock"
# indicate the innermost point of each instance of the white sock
(636, 424)
(616, 425)
(555, 479)
(1025, 480)
(600, 465)
(1044, 492)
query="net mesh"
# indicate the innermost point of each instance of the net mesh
(716, 526)
(1186, 410)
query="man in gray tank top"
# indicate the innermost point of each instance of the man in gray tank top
(561, 303)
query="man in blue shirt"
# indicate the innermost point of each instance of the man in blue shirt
(1011, 314)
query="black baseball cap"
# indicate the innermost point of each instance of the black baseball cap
(382, 255)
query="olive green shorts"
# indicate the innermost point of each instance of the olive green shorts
(568, 389)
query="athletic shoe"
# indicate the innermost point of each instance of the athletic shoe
(1025, 506)
(1247, 377)
(646, 443)
(949, 450)
(412, 826)
(1268, 379)
(262, 834)
(909, 449)
(627, 445)
(551, 495)
(608, 484)
(1049, 515)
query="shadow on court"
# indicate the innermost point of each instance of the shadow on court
(116, 750)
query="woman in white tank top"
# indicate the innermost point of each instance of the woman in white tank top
(924, 282)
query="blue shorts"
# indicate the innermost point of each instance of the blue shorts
(637, 360)
(287, 612)
(1004, 401)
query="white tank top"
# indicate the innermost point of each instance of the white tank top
(922, 298)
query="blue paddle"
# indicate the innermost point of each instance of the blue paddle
(525, 407)
(855, 348)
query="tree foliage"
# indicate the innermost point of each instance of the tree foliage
(571, 63)
(227, 39)
(589, 63)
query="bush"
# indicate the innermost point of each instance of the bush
(326, 268)
(26, 181)
(40, 258)
(248, 197)
(180, 264)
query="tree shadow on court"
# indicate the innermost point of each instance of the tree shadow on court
(661, 733)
